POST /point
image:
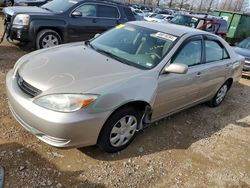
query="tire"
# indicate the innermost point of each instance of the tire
(220, 95)
(47, 38)
(112, 137)
(8, 3)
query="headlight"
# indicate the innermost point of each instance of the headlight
(22, 19)
(65, 102)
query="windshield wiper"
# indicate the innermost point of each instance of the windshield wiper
(111, 55)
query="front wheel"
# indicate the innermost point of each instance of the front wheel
(47, 38)
(119, 130)
(220, 95)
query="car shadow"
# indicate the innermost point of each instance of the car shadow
(181, 130)
(26, 168)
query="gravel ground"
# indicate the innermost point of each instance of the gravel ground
(199, 147)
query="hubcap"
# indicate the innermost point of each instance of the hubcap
(49, 41)
(221, 94)
(123, 131)
(8, 3)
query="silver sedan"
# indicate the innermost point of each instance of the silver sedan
(105, 90)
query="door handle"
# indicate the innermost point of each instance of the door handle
(94, 20)
(198, 75)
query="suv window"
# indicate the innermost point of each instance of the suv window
(105, 11)
(129, 14)
(190, 54)
(215, 51)
(87, 10)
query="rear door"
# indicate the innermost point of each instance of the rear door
(108, 17)
(216, 65)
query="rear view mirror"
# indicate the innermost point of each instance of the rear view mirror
(176, 68)
(76, 14)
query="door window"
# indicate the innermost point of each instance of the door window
(215, 51)
(87, 10)
(105, 11)
(190, 54)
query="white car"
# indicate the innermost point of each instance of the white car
(159, 18)
(139, 12)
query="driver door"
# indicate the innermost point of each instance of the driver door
(177, 91)
(84, 27)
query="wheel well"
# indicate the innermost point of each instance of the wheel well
(230, 81)
(51, 28)
(139, 105)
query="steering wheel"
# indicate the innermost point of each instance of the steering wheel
(154, 55)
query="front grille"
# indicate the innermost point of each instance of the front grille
(26, 87)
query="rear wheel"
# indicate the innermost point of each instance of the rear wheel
(119, 130)
(47, 38)
(9, 3)
(220, 95)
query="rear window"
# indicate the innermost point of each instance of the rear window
(215, 51)
(223, 26)
(107, 11)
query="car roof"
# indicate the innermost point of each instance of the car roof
(169, 28)
(109, 2)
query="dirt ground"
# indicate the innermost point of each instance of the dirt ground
(199, 147)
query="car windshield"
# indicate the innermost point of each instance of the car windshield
(59, 6)
(134, 45)
(245, 44)
(185, 20)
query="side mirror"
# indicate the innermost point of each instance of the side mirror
(97, 35)
(76, 14)
(176, 68)
(236, 44)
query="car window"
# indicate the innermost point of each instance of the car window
(87, 10)
(223, 26)
(210, 27)
(245, 43)
(59, 6)
(107, 11)
(190, 54)
(215, 51)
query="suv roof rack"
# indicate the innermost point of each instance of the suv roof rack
(109, 1)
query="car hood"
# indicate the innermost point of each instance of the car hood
(24, 10)
(242, 51)
(72, 68)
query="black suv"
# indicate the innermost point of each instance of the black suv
(63, 21)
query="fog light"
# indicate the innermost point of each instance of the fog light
(19, 33)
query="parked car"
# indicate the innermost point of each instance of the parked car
(63, 21)
(139, 12)
(159, 18)
(212, 24)
(243, 48)
(30, 2)
(150, 14)
(103, 91)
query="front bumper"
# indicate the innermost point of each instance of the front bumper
(58, 129)
(19, 33)
(246, 65)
